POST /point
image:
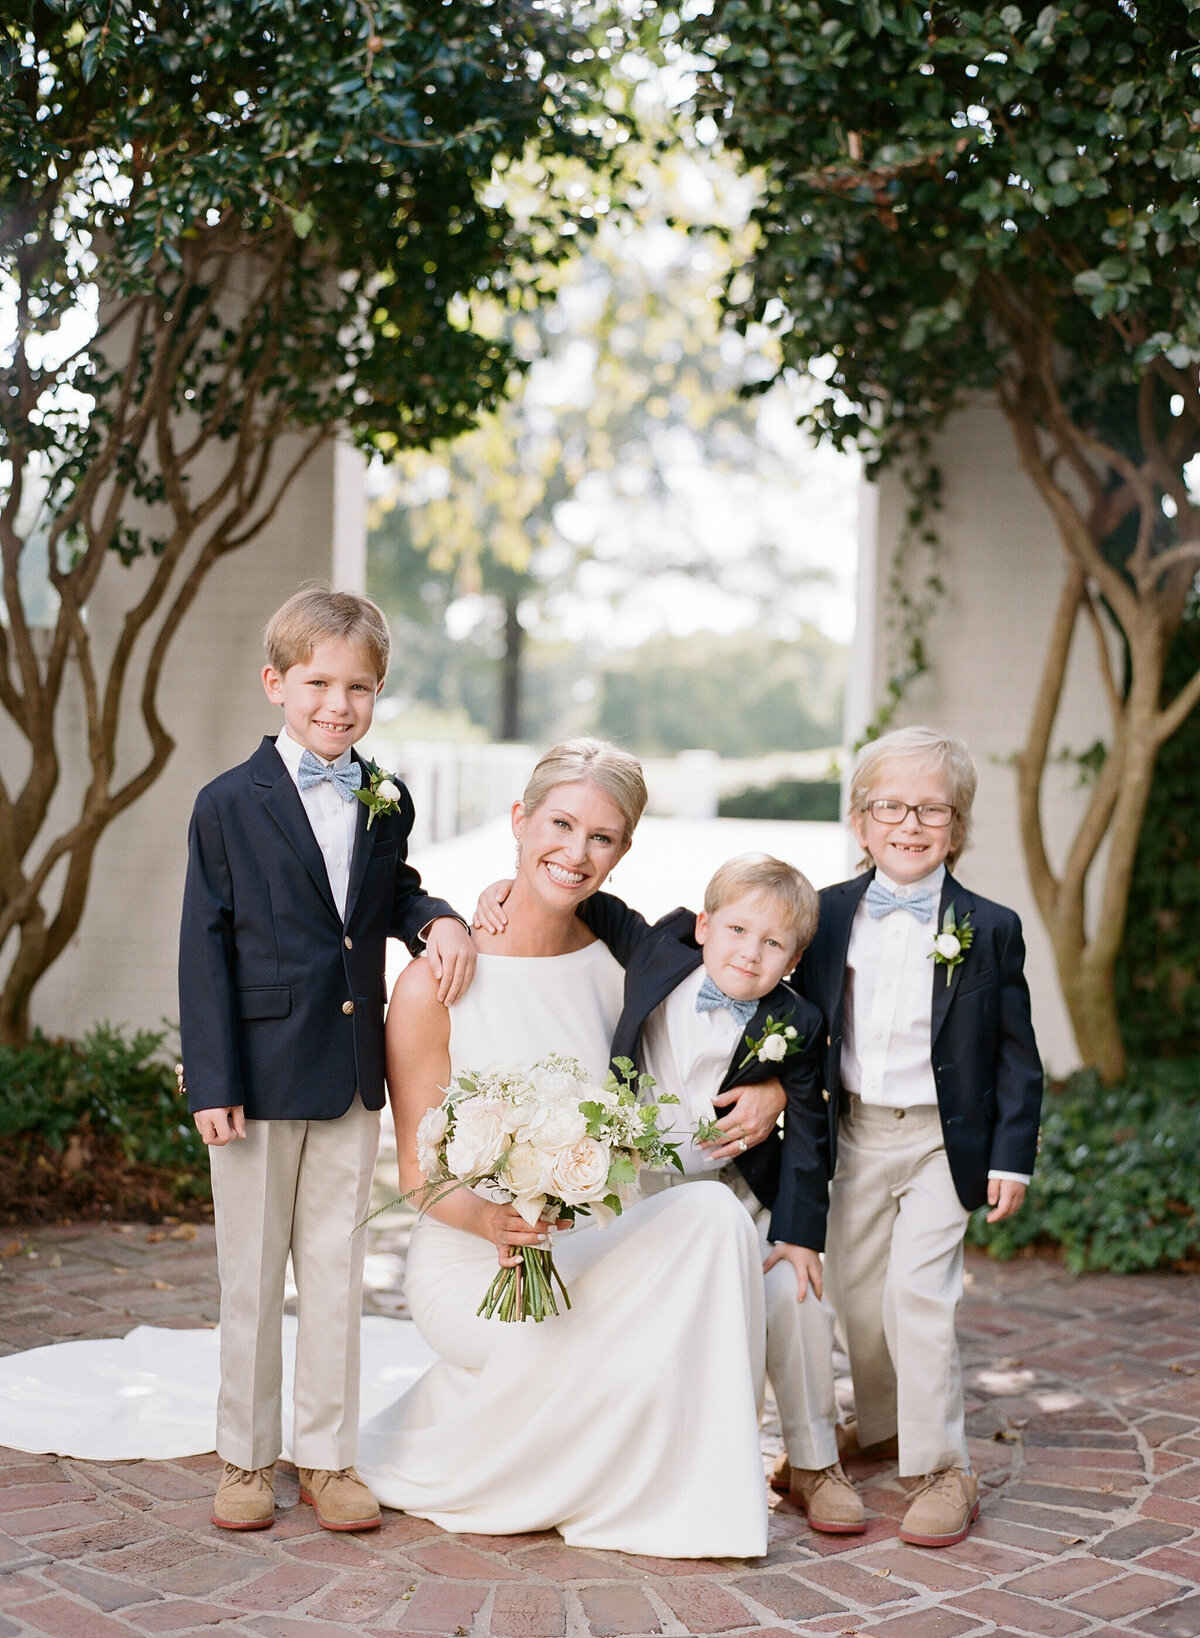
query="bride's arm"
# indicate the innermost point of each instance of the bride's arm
(418, 1069)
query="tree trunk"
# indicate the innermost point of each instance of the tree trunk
(510, 670)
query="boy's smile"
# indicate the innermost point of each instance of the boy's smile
(328, 700)
(909, 851)
(748, 945)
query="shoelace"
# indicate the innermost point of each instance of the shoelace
(942, 1480)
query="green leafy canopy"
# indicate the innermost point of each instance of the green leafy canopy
(943, 185)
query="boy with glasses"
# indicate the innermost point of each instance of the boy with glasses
(935, 1090)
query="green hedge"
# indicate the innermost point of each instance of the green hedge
(788, 799)
(1117, 1184)
(74, 1113)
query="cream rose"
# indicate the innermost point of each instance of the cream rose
(387, 790)
(551, 1126)
(479, 1137)
(773, 1049)
(430, 1132)
(948, 946)
(580, 1173)
(526, 1171)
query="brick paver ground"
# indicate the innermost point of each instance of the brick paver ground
(1084, 1413)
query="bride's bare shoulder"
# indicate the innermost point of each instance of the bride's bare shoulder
(415, 1001)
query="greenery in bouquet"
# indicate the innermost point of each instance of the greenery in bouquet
(550, 1141)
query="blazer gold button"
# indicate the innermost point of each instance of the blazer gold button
(347, 1007)
(899, 1114)
(348, 942)
(825, 1093)
(829, 1040)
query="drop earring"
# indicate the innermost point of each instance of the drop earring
(517, 860)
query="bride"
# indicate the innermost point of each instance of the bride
(630, 1420)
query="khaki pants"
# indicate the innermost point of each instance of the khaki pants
(298, 1186)
(799, 1336)
(893, 1272)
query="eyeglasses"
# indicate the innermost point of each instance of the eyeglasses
(885, 811)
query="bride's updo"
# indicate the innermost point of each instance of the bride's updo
(617, 774)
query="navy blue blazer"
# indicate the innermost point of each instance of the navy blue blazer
(789, 1174)
(281, 999)
(985, 1059)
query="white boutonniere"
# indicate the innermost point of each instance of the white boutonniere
(777, 1042)
(953, 942)
(380, 793)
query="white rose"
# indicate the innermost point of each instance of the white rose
(430, 1132)
(526, 1171)
(948, 945)
(387, 791)
(479, 1137)
(551, 1126)
(790, 1032)
(773, 1049)
(580, 1173)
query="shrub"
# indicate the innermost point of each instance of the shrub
(787, 799)
(95, 1125)
(1116, 1184)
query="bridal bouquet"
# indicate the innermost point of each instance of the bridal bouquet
(547, 1139)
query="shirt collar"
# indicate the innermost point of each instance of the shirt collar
(291, 751)
(933, 882)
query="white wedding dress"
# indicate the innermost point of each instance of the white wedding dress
(627, 1422)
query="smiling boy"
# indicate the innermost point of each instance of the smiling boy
(289, 900)
(935, 1091)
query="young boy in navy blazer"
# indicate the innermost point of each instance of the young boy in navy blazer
(935, 1093)
(293, 887)
(706, 1015)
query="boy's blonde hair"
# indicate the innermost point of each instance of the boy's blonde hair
(618, 775)
(946, 753)
(760, 873)
(318, 614)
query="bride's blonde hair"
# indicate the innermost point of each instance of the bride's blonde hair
(618, 775)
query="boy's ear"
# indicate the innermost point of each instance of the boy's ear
(701, 932)
(858, 824)
(272, 683)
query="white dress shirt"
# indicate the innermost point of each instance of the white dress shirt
(889, 992)
(886, 1034)
(334, 821)
(688, 1053)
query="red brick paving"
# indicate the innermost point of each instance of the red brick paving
(1085, 1438)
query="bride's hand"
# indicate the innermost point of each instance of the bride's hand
(750, 1118)
(509, 1231)
(489, 911)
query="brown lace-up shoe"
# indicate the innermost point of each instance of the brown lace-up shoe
(245, 1498)
(943, 1508)
(340, 1498)
(829, 1499)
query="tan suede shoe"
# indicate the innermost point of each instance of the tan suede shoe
(829, 1499)
(943, 1508)
(342, 1501)
(245, 1498)
(847, 1442)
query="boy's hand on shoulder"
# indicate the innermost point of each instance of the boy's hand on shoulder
(218, 1126)
(805, 1261)
(1005, 1197)
(451, 956)
(489, 908)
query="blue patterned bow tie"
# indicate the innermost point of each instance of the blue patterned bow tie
(345, 780)
(881, 901)
(711, 997)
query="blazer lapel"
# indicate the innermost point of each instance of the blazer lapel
(943, 992)
(754, 1029)
(364, 843)
(842, 921)
(282, 801)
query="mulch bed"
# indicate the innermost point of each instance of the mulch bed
(92, 1181)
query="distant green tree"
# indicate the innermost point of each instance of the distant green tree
(578, 470)
(1002, 199)
(223, 226)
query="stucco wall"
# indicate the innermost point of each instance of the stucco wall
(1003, 569)
(121, 963)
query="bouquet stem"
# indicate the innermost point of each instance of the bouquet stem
(525, 1291)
